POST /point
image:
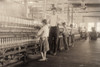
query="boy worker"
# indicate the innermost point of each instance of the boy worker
(65, 36)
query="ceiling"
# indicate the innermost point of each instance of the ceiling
(58, 1)
(85, 1)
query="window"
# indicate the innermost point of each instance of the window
(98, 27)
(90, 25)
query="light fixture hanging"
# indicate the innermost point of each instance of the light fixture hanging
(83, 5)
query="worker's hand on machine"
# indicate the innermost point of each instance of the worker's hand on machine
(37, 37)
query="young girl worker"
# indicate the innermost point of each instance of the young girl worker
(44, 34)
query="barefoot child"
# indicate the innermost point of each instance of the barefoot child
(44, 34)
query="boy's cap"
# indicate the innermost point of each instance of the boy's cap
(63, 23)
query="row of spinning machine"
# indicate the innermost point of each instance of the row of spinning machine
(16, 39)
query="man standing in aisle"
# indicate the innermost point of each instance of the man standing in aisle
(53, 35)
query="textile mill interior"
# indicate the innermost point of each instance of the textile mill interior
(49, 33)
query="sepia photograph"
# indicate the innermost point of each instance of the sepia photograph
(49, 33)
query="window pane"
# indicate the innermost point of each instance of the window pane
(98, 27)
(90, 25)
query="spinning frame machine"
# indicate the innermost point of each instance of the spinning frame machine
(16, 39)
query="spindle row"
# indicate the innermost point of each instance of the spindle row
(6, 40)
(12, 24)
(9, 19)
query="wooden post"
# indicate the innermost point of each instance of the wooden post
(26, 8)
(68, 16)
(71, 14)
(45, 4)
